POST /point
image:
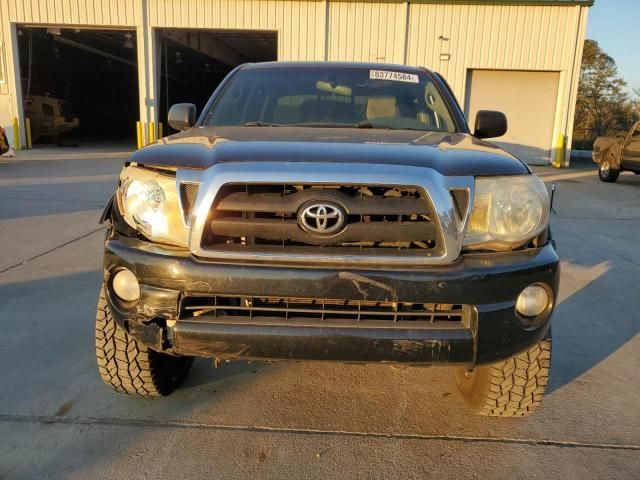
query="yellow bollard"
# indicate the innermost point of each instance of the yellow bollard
(139, 134)
(152, 132)
(16, 134)
(27, 127)
(561, 148)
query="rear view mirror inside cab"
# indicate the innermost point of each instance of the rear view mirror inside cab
(335, 89)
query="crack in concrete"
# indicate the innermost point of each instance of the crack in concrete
(597, 219)
(117, 422)
(97, 203)
(35, 181)
(57, 247)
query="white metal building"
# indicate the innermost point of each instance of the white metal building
(521, 57)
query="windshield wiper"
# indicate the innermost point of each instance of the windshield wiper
(261, 124)
(367, 124)
(320, 125)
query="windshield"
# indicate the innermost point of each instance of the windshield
(332, 97)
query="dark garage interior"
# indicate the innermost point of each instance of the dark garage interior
(79, 85)
(193, 62)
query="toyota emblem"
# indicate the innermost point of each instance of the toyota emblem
(321, 218)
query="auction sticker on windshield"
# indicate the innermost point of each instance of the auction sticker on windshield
(396, 76)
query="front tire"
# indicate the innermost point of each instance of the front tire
(511, 388)
(607, 173)
(130, 367)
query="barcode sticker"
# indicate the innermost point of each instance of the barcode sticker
(395, 76)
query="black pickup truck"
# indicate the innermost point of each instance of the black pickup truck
(330, 211)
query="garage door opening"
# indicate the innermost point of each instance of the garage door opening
(528, 98)
(194, 62)
(79, 86)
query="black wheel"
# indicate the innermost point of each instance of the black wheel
(606, 172)
(511, 388)
(130, 367)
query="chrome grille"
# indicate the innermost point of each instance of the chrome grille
(433, 187)
(265, 217)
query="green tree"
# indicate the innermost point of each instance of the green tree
(603, 106)
(636, 103)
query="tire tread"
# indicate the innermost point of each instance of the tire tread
(511, 388)
(127, 366)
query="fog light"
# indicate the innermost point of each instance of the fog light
(125, 285)
(532, 301)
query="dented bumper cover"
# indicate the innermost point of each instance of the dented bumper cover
(489, 283)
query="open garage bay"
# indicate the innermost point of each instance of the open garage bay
(193, 62)
(79, 85)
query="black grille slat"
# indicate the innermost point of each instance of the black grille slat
(275, 202)
(277, 250)
(270, 229)
(289, 310)
(260, 217)
(318, 309)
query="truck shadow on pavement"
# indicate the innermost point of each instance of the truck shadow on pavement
(596, 316)
(628, 178)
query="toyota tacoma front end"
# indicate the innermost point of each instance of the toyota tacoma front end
(328, 211)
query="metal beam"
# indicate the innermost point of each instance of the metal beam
(208, 45)
(95, 51)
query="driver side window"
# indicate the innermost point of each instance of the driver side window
(47, 110)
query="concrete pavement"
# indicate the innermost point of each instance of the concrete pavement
(303, 420)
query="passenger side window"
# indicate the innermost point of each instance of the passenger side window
(47, 110)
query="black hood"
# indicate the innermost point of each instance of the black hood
(448, 153)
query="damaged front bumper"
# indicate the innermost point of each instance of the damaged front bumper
(486, 284)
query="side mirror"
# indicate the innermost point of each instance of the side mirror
(182, 116)
(490, 124)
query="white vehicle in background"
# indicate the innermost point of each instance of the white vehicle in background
(49, 117)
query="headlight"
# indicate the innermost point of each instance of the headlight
(149, 203)
(507, 212)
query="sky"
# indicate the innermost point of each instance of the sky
(615, 25)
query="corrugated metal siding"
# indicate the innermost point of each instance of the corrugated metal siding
(505, 37)
(300, 24)
(487, 36)
(521, 37)
(500, 37)
(5, 57)
(367, 31)
(83, 12)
